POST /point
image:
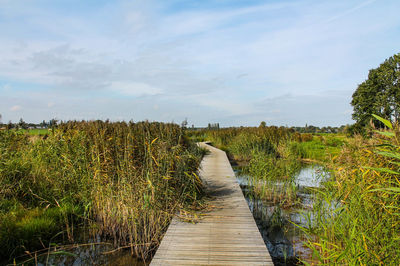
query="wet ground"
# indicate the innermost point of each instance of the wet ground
(95, 255)
(92, 251)
(279, 227)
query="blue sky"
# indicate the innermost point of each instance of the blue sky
(233, 62)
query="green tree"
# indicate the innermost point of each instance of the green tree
(184, 123)
(53, 123)
(379, 94)
(43, 124)
(22, 124)
(9, 125)
(263, 124)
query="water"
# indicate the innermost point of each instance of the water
(94, 255)
(311, 176)
(93, 251)
(284, 239)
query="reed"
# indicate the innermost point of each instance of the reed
(124, 180)
(272, 179)
(356, 217)
(241, 143)
(268, 152)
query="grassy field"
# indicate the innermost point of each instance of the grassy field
(123, 181)
(319, 147)
(35, 132)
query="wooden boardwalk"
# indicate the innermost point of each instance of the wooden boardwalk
(227, 235)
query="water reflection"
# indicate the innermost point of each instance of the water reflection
(94, 251)
(311, 176)
(278, 226)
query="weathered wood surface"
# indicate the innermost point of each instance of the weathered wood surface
(226, 235)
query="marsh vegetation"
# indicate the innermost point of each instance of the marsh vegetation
(348, 215)
(118, 183)
(113, 187)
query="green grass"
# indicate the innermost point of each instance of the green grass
(32, 229)
(321, 148)
(33, 131)
(125, 181)
(356, 215)
(39, 131)
(241, 143)
(272, 179)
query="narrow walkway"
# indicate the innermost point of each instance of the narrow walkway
(227, 235)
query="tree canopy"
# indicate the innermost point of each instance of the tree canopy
(379, 94)
(263, 124)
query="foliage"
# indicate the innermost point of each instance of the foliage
(379, 94)
(325, 129)
(272, 178)
(241, 143)
(357, 215)
(319, 148)
(125, 180)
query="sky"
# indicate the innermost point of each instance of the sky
(233, 62)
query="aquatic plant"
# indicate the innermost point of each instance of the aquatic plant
(123, 180)
(356, 217)
(241, 143)
(272, 178)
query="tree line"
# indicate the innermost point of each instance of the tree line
(21, 124)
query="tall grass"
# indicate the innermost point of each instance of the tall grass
(241, 143)
(357, 215)
(272, 154)
(124, 180)
(272, 179)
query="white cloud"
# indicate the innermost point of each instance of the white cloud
(206, 63)
(15, 108)
(134, 88)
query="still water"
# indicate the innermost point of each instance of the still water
(279, 226)
(93, 251)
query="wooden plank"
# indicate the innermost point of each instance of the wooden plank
(226, 235)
